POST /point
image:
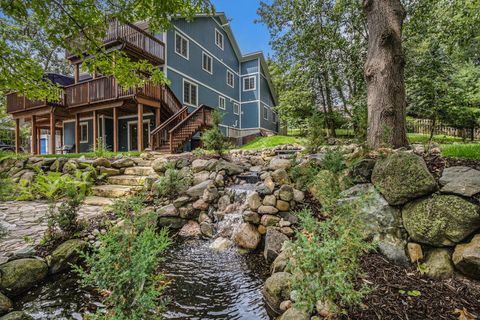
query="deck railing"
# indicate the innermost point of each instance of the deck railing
(17, 102)
(139, 39)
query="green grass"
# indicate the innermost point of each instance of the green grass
(420, 137)
(269, 142)
(106, 154)
(464, 151)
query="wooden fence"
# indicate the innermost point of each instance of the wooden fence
(424, 126)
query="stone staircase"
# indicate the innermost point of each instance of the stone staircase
(130, 182)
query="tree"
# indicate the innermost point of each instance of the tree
(80, 27)
(213, 138)
(384, 74)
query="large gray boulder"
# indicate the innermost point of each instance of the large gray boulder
(123, 163)
(246, 236)
(159, 165)
(402, 177)
(440, 220)
(274, 241)
(65, 254)
(230, 168)
(278, 163)
(196, 191)
(277, 288)
(466, 257)
(17, 276)
(463, 181)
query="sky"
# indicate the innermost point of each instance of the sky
(242, 14)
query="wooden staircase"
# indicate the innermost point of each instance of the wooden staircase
(170, 136)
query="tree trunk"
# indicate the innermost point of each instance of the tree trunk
(384, 73)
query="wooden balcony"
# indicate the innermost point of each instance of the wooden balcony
(135, 41)
(17, 103)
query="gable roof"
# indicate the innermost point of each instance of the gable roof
(225, 24)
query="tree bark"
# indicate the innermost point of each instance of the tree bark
(384, 73)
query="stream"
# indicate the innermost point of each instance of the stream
(204, 285)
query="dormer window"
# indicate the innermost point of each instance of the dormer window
(219, 39)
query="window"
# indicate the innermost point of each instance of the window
(219, 39)
(207, 62)
(230, 79)
(265, 113)
(190, 95)
(249, 83)
(181, 45)
(221, 103)
(236, 108)
(83, 132)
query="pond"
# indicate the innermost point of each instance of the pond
(204, 285)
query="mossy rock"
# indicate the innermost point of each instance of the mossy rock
(440, 220)
(295, 314)
(5, 304)
(402, 177)
(277, 289)
(17, 276)
(439, 265)
(65, 254)
(16, 315)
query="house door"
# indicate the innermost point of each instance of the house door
(43, 146)
(133, 135)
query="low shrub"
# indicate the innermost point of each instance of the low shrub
(124, 267)
(213, 138)
(173, 182)
(7, 188)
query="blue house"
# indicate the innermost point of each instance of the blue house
(206, 71)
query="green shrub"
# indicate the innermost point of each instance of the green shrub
(173, 182)
(7, 188)
(333, 161)
(213, 138)
(316, 134)
(124, 267)
(303, 174)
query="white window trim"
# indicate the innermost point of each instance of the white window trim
(129, 142)
(233, 79)
(220, 98)
(254, 83)
(238, 105)
(211, 62)
(175, 45)
(263, 112)
(81, 125)
(183, 93)
(223, 39)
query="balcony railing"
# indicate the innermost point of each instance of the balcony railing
(136, 39)
(17, 103)
(105, 89)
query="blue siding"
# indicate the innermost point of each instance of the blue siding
(250, 115)
(250, 66)
(265, 94)
(69, 135)
(267, 124)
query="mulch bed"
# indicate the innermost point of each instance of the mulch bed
(437, 163)
(439, 299)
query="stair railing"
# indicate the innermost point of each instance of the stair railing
(159, 135)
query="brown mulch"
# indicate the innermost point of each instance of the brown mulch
(439, 299)
(437, 163)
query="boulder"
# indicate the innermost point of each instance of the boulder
(167, 211)
(210, 194)
(392, 247)
(250, 216)
(246, 236)
(220, 244)
(361, 172)
(268, 220)
(181, 201)
(207, 229)
(402, 177)
(16, 315)
(440, 220)
(102, 162)
(278, 163)
(58, 164)
(5, 304)
(108, 172)
(199, 165)
(267, 210)
(280, 262)
(269, 184)
(187, 211)
(197, 190)
(280, 176)
(160, 165)
(463, 181)
(277, 288)
(269, 200)
(466, 257)
(295, 314)
(262, 189)
(439, 265)
(199, 177)
(274, 241)
(223, 202)
(190, 230)
(65, 254)
(283, 205)
(229, 167)
(201, 204)
(17, 276)
(123, 163)
(254, 201)
(171, 222)
(298, 196)
(415, 252)
(70, 167)
(286, 193)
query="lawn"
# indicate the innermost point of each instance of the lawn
(269, 142)
(465, 151)
(105, 154)
(443, 139)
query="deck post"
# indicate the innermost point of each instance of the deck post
(157, 124)
(34, 135)
(77, 133)
(76, 73)
(61, 140)
(95, 130)
(52, 132)
(140, 127)
(17, 135)
(115, 129)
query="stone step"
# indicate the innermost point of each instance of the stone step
(114, 191)
(127, 180)
(97, 201)
(143, 162)
(139, 171)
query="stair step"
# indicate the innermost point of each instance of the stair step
(97, 201)
(114, 191)
(143, 163)
(127, 180)
(139, 171)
